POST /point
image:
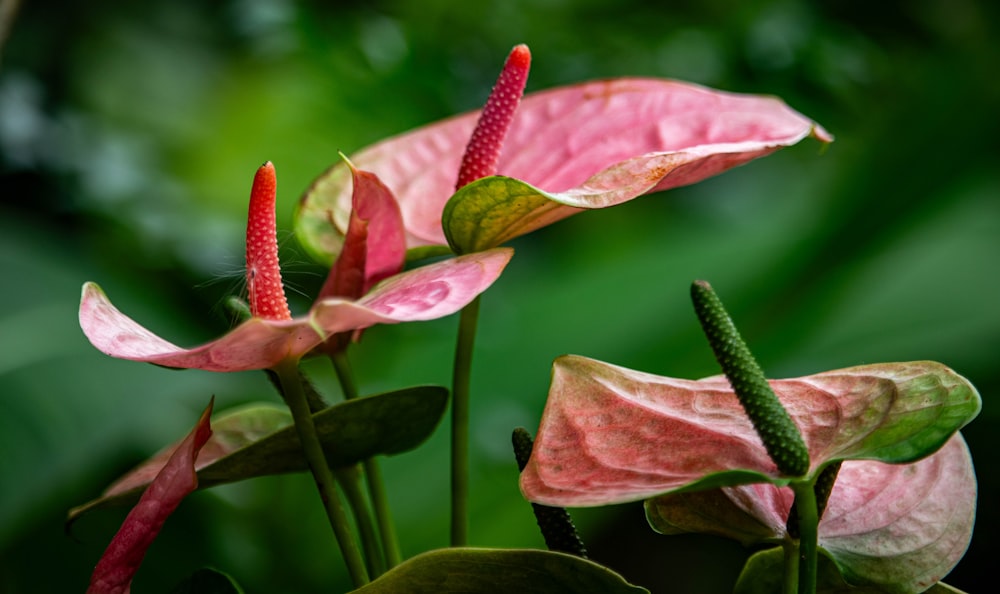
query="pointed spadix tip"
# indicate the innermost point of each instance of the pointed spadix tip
(520, 56)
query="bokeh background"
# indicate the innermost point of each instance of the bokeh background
(129, 134)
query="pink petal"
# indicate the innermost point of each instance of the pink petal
(610, 435)
(582, 142)
(115, 570)
(889, 523)
(375, 243)
(904, 526)
(254, 344)
(426, 293)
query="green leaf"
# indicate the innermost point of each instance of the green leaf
(251, 442)
(763, 573)
(207, 581)
(485, 571)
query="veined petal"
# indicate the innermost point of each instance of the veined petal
(426, 293)
(582, 142)
(438, 289)
(254, 344)
(611, 435)
(901, 527)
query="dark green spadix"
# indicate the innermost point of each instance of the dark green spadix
(770, 419)
(555, 522)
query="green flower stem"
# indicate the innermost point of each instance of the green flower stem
(373, 474)
(291, 387)
(791, 550)
(349, 479)
(805, 507)
(461, 376)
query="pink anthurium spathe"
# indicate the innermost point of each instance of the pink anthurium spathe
(900, 513)
(589, 145)
(900, 527)
(114, 572)
(272, 336)
(362, 262)
(611, 435)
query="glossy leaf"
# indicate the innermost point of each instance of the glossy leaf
(589, 145)
(485, 571)
(898, 527)
(207, 581)
(610, 434)
(259, 440)
(175, 480)
(425, 293)
(763, 573)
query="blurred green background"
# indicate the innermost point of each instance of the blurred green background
(130, 132)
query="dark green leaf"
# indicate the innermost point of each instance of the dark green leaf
(485, 571)
(207, 581)
(351, 432)
(764, 571)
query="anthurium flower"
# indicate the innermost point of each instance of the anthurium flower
(117, 567)
(611, 435)
(272, 336)
(589, 145)
(899, 527)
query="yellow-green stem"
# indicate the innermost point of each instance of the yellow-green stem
(291, 387)
(461, 378)
(373, 474)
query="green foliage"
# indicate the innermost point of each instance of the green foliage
(207, 581)
(351, 432)
(762, 575)
(140, 124)
(484, 571)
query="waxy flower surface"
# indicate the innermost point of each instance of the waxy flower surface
(590, 145)
(901, 527)
(175, 480)
(610, 434)
(272, 336)
(900, 513)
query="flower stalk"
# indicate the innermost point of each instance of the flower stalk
(460, 397)
(291, 387)
(372, 472)
(808, 540)
(479, 160)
